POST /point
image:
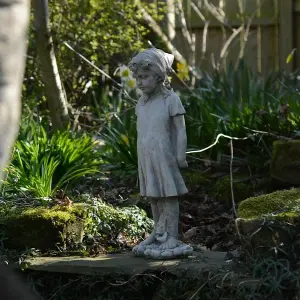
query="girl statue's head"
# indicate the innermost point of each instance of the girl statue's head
(150, 68)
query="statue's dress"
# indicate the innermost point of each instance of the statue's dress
(159, 174)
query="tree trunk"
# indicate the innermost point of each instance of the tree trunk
(14, 19)
(55, 93)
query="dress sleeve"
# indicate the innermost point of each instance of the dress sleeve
(175, 106)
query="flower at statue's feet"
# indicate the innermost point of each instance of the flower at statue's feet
(170, 243)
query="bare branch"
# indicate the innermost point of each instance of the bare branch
(204, 39)
(184, 29)
(157, 29)
(230, 39)
(216, 13)
(198, 12)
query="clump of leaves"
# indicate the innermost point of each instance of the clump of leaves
(41, 164)
(120, 138)
(106, 219)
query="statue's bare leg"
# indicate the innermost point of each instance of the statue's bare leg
(171, 212)
(155, 214)
(161, 226)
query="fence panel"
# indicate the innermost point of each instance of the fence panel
(273, 33)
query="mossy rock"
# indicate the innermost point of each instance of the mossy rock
(279, 203)
(285, 164)
(269, 225)
(241, 189)
(44, 228)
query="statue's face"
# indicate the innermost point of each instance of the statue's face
(146, 81)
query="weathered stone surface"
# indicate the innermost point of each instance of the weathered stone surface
(128, 264)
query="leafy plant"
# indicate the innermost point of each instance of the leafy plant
(41, 165)
(109, 220)
(120, 137)
(236, 102)
(106, 32)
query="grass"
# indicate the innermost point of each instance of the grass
(42, 164)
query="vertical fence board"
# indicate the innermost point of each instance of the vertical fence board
(297, 33)
(285, 33)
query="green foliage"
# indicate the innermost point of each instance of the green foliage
(41, 164)
(120, 144)
(107, 32)
(276, 277)
(236, 102)
(109, 220)
(241, 190)
(117, 129)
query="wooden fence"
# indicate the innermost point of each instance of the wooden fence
(274, 31)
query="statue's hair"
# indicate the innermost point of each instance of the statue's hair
(142, 64)
(146, 65)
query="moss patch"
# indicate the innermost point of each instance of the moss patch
(43, 228)
(283, 203)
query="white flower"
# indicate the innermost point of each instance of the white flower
(131, 83)
(87, 86)
(124, 72)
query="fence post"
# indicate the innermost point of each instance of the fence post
(286, 43)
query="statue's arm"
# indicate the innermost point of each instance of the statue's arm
(181, 140)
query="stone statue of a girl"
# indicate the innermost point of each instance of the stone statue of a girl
(161, 152)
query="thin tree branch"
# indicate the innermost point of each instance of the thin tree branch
(229, 41)
(184, 28)
(220, 17)
(157, 29)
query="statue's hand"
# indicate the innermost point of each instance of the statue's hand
(182, 163)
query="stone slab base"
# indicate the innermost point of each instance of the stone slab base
(128, 264)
